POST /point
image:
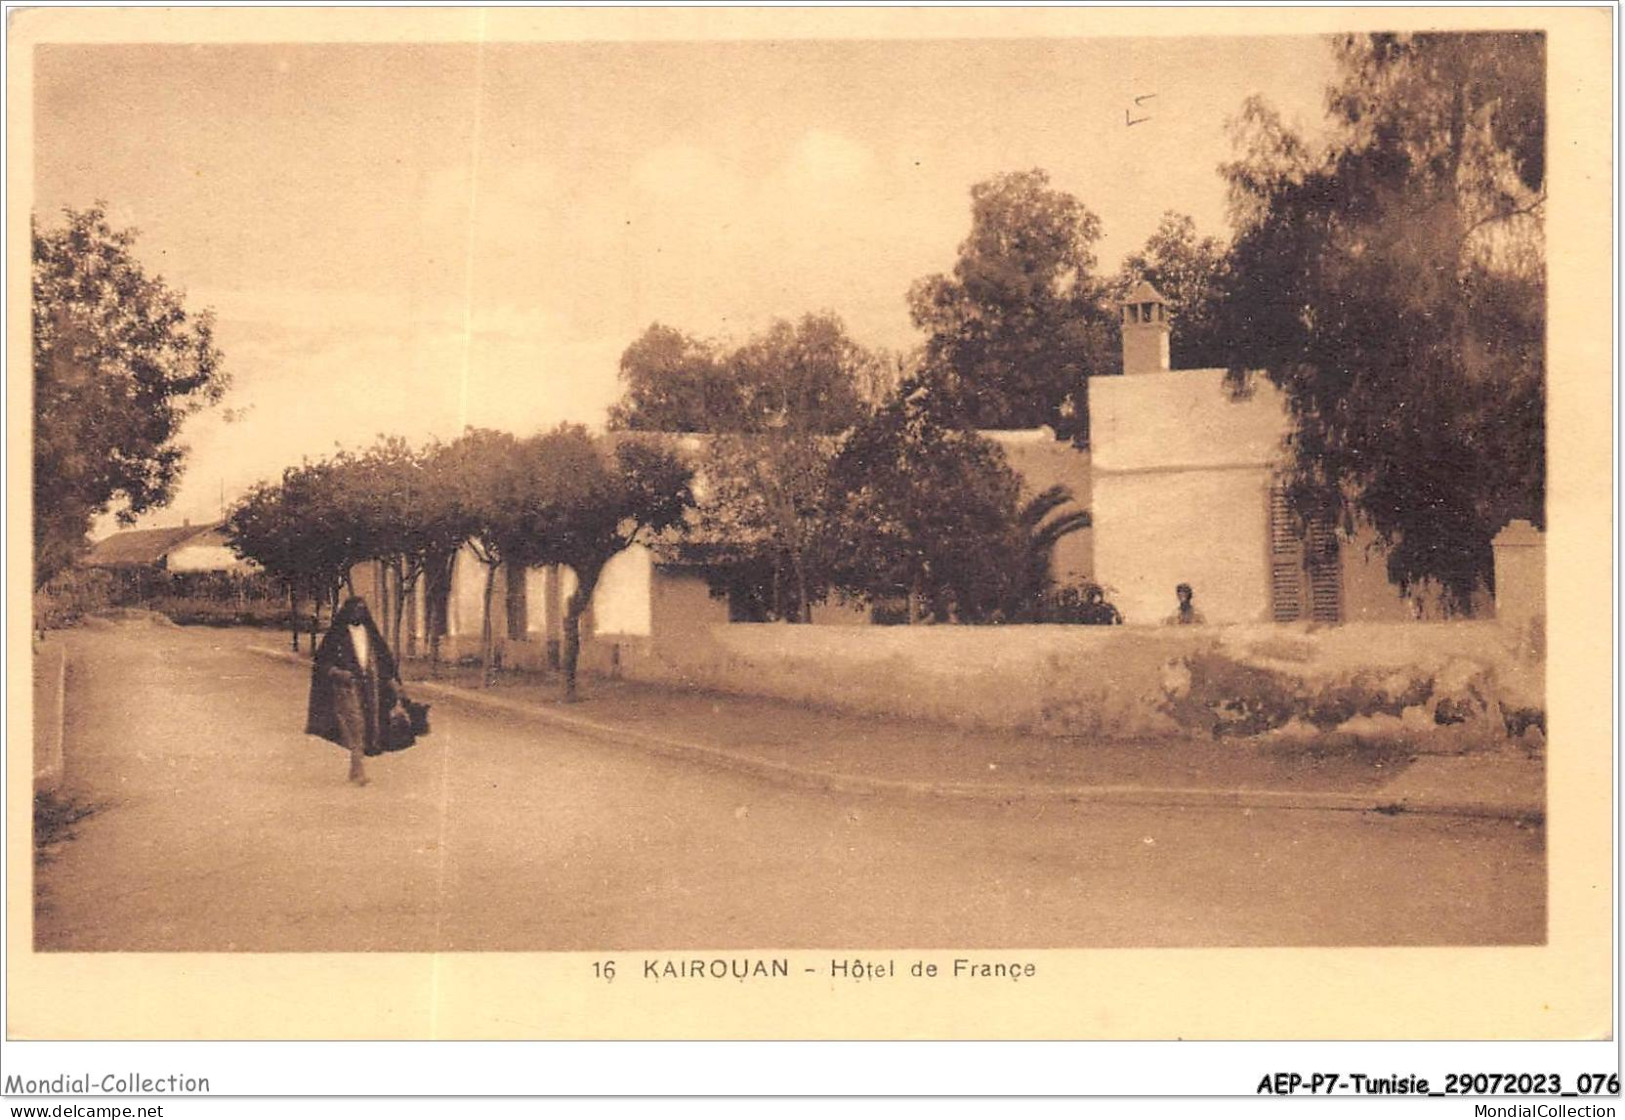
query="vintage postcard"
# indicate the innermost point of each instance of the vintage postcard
(787, 524)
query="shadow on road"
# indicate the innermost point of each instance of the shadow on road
(54, 818)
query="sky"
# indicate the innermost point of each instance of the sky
(411, 238)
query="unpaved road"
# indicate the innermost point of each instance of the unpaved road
(222, 827)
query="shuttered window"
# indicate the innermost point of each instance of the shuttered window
(1323, 567)
(1306, 571)
(1286, 561)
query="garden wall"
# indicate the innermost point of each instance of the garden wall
(1460, 682)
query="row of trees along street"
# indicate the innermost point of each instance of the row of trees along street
(1387, 274)
(551, 498)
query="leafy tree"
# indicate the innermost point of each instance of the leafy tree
(498, 483)
(799, 388)
(407, 516)
(674, 383)
(772, 407)
(437, 527)
(1188, 270)
(584, 508)
(119, 363)
(931, 513)
(880, 372)
(393, 476)
(300, 533)
(762, 518)
(800, 377)
(1393, 285)
(1022, 323)
(260, 528)
(923, 512)
(809, 372)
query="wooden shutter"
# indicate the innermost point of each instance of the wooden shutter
(1286, 561)
(1306, 569)
(1325, 570)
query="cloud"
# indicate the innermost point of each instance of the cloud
(823, 162)
(687, 174)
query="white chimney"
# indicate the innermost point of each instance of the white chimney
(1145, 330)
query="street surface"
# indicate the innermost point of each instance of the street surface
(220, 826)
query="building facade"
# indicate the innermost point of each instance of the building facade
(1186, 490)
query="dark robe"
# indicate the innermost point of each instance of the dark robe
(348, 696)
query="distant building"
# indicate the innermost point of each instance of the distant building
(180, 558)
(179, 548)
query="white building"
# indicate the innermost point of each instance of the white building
(1185, 471)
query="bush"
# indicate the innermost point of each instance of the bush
(1070, 606)
(71, 595)
(187, 598)
(209, 612)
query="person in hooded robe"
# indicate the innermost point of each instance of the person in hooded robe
(353, 686)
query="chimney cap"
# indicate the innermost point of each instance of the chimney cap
(1144, 292)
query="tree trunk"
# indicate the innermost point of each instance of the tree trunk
(384, 606)
(444, 566)
(293, 617)
(914, 600)
(487, 630)
(553, 617)
(412, 631)
(432, 617)
(803, 608)
(580, 599)
(397, 592)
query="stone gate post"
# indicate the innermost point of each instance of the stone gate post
(1520, 584)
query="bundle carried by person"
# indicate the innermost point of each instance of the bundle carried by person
(408, 721)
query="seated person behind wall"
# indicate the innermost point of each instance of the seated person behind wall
(1187, 614)
(1097, 612)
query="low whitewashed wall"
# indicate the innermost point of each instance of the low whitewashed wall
(1108, 682)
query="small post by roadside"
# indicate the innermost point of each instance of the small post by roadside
(1520, 586)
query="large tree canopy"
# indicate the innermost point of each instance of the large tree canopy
(119, 363)
(674, 382)
(1393, 285)
(808, 374)
(301, 530)
(923, 511)
(772, 407)
(1022, 322)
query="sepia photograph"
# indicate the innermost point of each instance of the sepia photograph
(788, 511)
